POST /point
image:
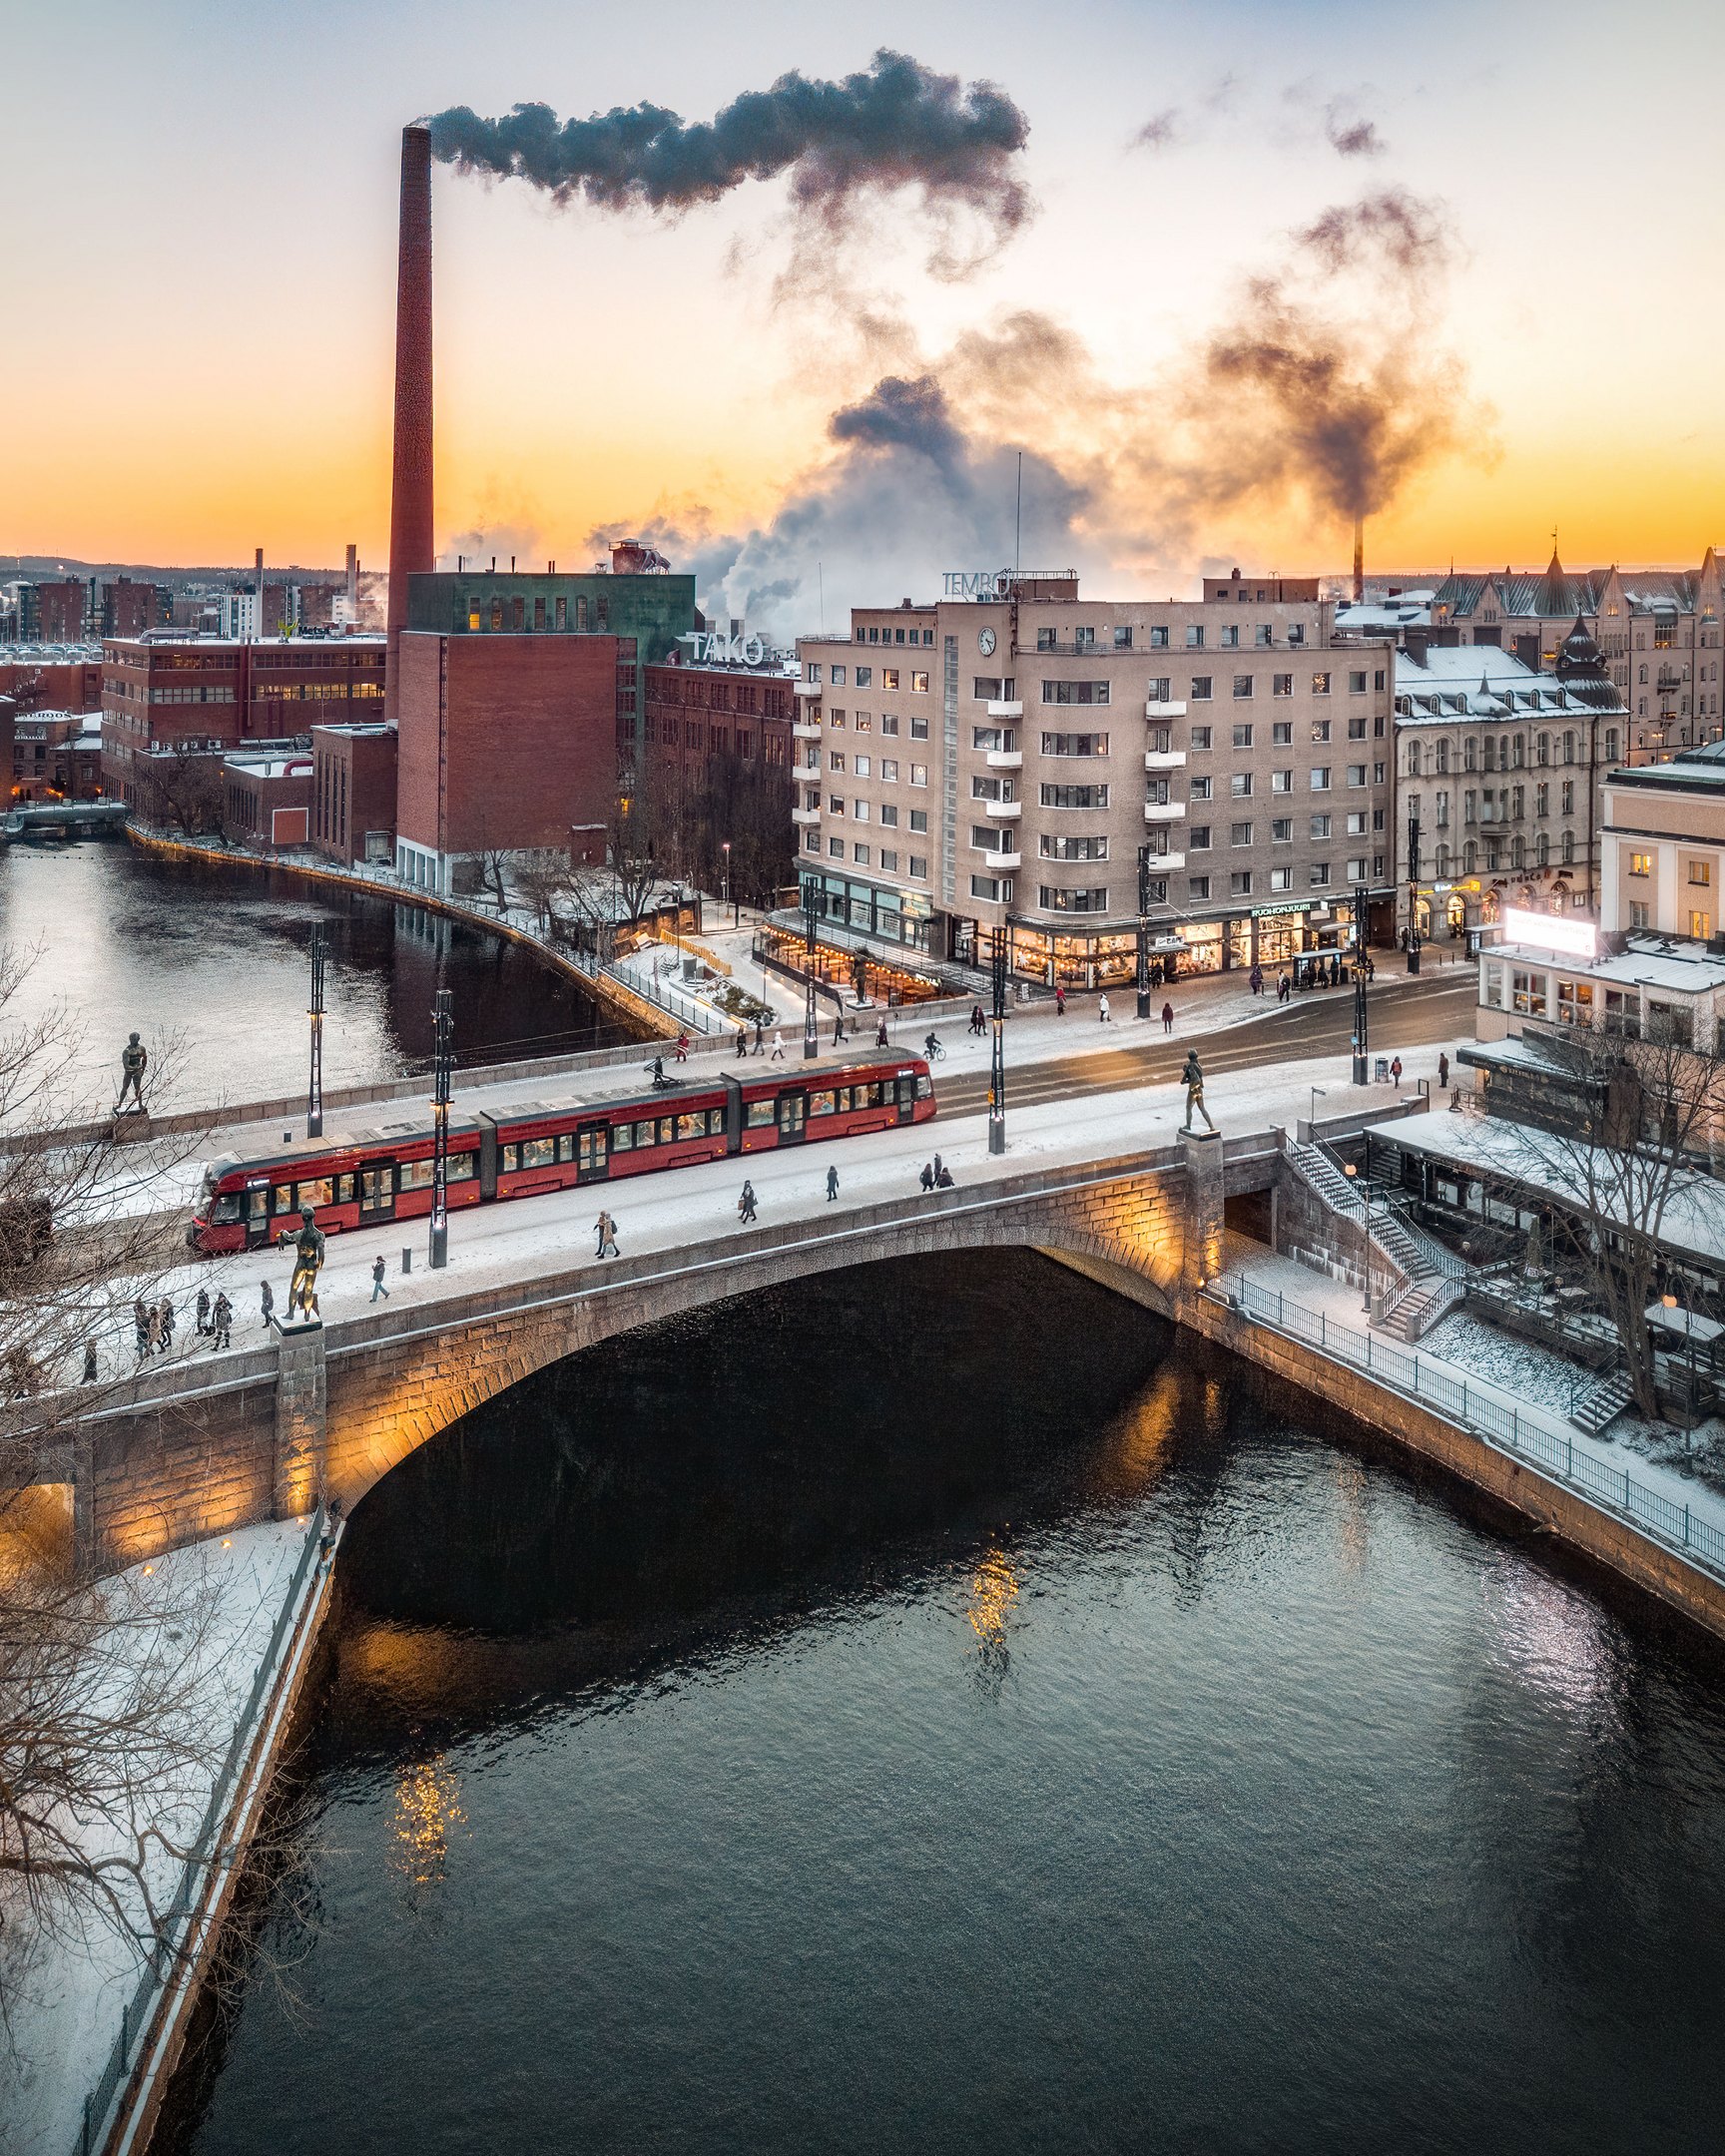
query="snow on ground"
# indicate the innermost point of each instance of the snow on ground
(1516, 1374)
(64, 1993)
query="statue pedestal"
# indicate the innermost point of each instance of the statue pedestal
(1205, 1205)
(295, 1327)
(127, 1126)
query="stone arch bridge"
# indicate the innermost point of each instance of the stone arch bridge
(207, 1445)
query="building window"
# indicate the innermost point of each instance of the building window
(1357, 683)
(888, 860)
(1074, 744)
(1200, 737)
(1198, 838)
(1240, 786)
(859, 854)
(1356, 774)
(1700, 926)
(1239, 883)
(1701, 873)
(1197, 886)
(889, 815)
(1194, 636)
(1357, 871)
(1159, 638)
(1201, 688)
(919, 774)
(1319, 874)
(1281, 879)
(1074, 796)
(1282, 831)
(1230, 637)
(1281, 685)
(1056, 899)
(1242, 737)
(1239, 834)
(1075, 692)
(1321, 683)
(1122, 638)
(1319, 777)
(1640, 864)
(918, 819)
(1528, 994)
(1281, 782)
(918, 684)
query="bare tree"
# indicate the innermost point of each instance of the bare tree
(1632, 1153)
(633, 855)
(186, 788)
(100, 1722)
(542, 882)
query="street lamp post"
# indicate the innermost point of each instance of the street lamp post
(314, 1083)
(1143, 931)
(725, 886)
(1414, 892)
(1362, 1031)
(1349, 1170)
(811, 1027)
(997, 1062)
(443, 1028)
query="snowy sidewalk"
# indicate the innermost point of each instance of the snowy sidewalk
(1519, 1417)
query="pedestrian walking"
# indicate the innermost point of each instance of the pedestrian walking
(1256, 977)
(881, 1032)
(1442, 1072)
(742, 1042)
(267, 1301)
(1102, 1010)
(831, 1184)
(155, 1330)
(1283, 988)
(682, 1047)
(927, 1176)
(938, 1170)
(89, 1377)
(978, 1024)
(605, 1227)
(141, 1325)
(746, 1204)
(1059, 1002)
(1395, 1071)
(837, 1029)
(222, 1322)
(761, 1036)
(378, 1291)
(1155, 972)
(166, 1314)
(778, 1055)
(201, 1312)
(1167, 1017)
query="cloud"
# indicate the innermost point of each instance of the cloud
(1349, 135)
(1160, 131)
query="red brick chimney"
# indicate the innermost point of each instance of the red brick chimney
(412, 544)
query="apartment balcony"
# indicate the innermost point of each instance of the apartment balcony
(1164, 758)
(1153, 710)
(805, 816)
(1005, 758)
(805, 730)
(1162, 812)
(1004, 811)
(1161, 863)
(1001, 709)
(811, 688)
(1002, 862)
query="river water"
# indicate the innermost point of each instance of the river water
(211, 965)
(941, 1707)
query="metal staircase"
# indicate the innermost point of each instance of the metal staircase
(1603, 1403)
(1433, 1279)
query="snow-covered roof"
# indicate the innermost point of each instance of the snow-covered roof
(1475, 680)
(1649, 962)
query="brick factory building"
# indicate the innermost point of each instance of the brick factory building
(268, 797)
(353, 792)
(171, 693)
(60, 612)
(507, 743)
(52, 677)
(1000, 762)
(715, 761)
(56, 755)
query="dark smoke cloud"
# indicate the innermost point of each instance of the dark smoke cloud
(1353, 138)
(1159, 131)
(896, 124)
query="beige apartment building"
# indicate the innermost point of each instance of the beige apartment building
(1000, 759)
(1498, 767)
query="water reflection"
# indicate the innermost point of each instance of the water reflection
(218, 956)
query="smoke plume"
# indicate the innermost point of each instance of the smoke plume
(1159, 131)
(1349, 135)
(896, 124)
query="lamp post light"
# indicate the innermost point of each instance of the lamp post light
(998, 1060)
(314, 1082)
(1349, 1169)
(811, 1026)
(443, 1028)
(1362, 1031)
(1318, 1093)
(1414, 892)
(725, 890)
(1143, 931)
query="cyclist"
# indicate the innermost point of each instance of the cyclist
(931, 1048)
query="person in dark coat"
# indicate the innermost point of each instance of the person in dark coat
(140, 1324)
(1059, 1002)
(267, 1300)
(222, 1322)
(746, 1204)
(89, 1377)
(1167, 1017)
(201, 1312)
(1442, 1072)
(378, 1290)
(831, 1184)
(927, 1177)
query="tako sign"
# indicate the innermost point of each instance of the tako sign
(977, 584)
(714, 648)
(1549, 932)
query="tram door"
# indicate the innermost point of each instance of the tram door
(376, 1192)
(907, 1097)
(793, 1118)
(592, 1153)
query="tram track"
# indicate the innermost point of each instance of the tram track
(1404, 1014)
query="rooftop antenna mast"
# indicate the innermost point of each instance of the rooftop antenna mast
(1018, 523)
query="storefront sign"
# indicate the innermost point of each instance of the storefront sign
(1550, 931)
(714, 648)
(1274, 913)
(977, 584)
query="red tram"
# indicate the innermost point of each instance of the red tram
(367, 1177)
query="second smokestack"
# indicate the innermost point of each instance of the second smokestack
(1358, 559)
(412, 544)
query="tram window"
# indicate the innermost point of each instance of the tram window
(623, 1138)
(906, 1090)
(820, 1104)
(463, 1167)
(284, 1197)
(538, 1152)
(643, 1134)
(924, 1089)
(414, 1175)
(693, 1126)
(227, 1209)
(592, 1150)
(566, 1146)
(760, 1114)
(344, 1190)
(256, 1205)
(322, 1192)
(511, 1159)
(876, 1094)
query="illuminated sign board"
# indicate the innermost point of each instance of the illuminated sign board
(1551, 932)
(714, 648)
(977, 584)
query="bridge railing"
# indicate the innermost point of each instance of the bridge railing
(1694, 1536)
(208, 1850)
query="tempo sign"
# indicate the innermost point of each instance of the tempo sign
(977, 584)
(714, 648)
(1550, 931)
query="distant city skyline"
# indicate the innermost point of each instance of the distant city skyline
(806, 415)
